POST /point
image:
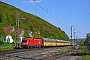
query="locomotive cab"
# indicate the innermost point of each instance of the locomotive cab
(31, 42)
(25, 43)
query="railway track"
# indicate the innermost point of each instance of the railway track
(68, 55)
(4, 52)
(56, 56)
(27, 54)
(35, 54)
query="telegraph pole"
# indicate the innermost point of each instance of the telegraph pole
(71, 34)
(17, 28)
(76, 39)
(17, 25)
(74, 36)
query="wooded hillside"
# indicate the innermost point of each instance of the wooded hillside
(32, 22)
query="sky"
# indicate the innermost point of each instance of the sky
(60, 13)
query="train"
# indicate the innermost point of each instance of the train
(43, 42)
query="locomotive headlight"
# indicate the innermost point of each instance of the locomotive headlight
(39, 42)
(24, 44)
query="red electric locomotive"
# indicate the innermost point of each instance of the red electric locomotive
(31, 42)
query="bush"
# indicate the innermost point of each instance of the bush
(1, 42)
(82, 43)
(87, 57)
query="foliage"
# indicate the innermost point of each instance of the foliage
(32, 23)
(1, 42)
(84, 51)
(4, 21)
(87, 57)
(86, 54)
(2, 34)
(82, 42)
(62, 50)
(26, 34)
(7, 46)
(87, 41)
(13, 34)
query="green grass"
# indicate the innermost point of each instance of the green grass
(7, 46)
(85, 53)
(87, 57)
(62, 50)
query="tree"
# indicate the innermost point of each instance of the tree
(26, 34)
(81, 42)
(2, 33)
(87, 38)
(13, 34)
(4, 19)
(32, 22)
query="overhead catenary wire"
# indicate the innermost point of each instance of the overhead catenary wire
(71, 21)
(53, 15)
(50, 13)
(82, 19)
(79, 23)
(78, 19)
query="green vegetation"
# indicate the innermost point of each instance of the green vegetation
(2, 34)
(83, 47)
(87, 41)
(87, 57)
(26, 34)
(1, 42)
(62, 50)
(6, 46)
(82, 51)
(32, 22)
(86, 52)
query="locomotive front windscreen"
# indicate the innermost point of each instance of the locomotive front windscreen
(24, 40)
